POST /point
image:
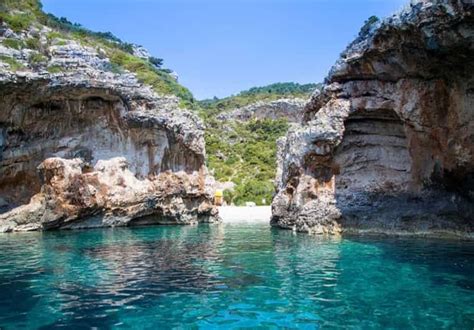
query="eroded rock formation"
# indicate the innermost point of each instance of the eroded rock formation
(73, 195)
(109, 150)
(388, 145)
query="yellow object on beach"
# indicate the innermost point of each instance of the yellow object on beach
(218, 197)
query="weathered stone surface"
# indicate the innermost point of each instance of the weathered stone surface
(288, 108)
(388, 145)
(76, 196)
(80, 120)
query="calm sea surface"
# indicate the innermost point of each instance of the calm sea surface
(232, 276)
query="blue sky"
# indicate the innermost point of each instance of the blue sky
(222, 47)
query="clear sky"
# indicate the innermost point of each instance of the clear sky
(220, 47)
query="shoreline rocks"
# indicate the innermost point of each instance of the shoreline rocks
(74, 196)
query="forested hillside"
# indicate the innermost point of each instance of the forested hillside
(244, 152)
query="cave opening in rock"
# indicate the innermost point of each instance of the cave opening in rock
(373, 155)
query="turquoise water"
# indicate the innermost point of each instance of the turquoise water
(232, 276)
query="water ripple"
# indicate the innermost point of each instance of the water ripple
(243, 276)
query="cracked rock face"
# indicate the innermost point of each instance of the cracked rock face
(86, 147)
(388, 145)
(289, 108)
(109, 194)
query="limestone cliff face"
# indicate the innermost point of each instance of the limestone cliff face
(388, 145)
(91, 147)
(285, 108)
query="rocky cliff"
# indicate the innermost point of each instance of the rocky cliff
(388, 145)
(84, 144)
(290, 109)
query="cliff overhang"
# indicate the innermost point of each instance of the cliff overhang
(83, 146)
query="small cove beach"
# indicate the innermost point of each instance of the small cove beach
(239, 214)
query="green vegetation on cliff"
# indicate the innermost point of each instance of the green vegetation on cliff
(245, 152)
(159, 79)
(268, 93)
(14, 65)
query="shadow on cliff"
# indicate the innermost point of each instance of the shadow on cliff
(437, 213)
